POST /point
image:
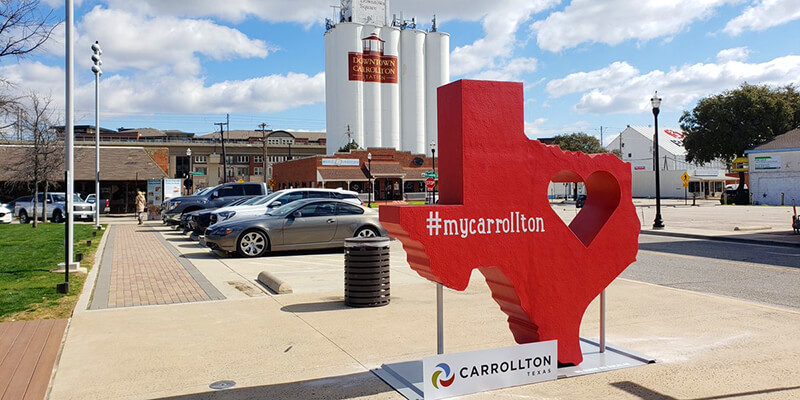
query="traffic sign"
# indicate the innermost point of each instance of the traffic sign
(430, 183)
(430, 174)
(272, 183)
(686, 184)
(685, 177)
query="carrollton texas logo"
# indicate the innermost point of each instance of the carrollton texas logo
(494, 215)
(372, 65)
(442, 376)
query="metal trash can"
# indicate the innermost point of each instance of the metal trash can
(366, 272)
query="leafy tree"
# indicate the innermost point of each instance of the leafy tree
(579, 141)
(723, 126)
(348, 147)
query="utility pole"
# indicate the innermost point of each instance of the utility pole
(263, 127)
(224, 160)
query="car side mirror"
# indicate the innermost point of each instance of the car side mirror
(48, 201)
(297, 214)
(215, 195)
(275, 204)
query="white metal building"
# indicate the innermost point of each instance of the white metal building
(381, 77)
(635, 144)
(775, 170)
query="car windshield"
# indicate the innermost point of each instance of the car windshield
(284, 209)
(265, 199)
(203, 191)
(59, 197)
(251, 201)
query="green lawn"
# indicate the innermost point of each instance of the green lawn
(27, 255)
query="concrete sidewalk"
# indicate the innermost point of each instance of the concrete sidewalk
(308, 345)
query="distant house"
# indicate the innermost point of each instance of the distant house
(635, 145)
(775, 170)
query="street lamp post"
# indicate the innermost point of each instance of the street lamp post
(656, 103)
(433, 166)
(190, 175)
(369, 171)
(96, 53)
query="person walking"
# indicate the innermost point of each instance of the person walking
(140, 203)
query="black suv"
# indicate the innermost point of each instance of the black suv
(215, 197)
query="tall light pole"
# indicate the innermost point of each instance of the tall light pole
(435, 177)
(656, 103)
(190, 175)
(369, 171)
(97, 72)
(69, 156)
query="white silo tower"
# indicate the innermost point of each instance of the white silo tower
(381, 78)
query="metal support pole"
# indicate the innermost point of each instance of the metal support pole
(69, 135)
(97, 150)
(439, 319)
(603, 321)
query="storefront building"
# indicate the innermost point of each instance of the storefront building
(397, 175)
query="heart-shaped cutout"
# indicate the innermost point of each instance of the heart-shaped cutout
(602, 198)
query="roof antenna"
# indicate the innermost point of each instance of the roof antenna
(433, 26)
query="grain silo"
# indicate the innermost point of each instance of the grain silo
(381, 76)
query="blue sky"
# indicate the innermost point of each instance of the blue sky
(585, 64)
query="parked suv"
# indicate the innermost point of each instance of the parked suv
(217, 197)
(280, 198)
(56, 204)
(104, 203)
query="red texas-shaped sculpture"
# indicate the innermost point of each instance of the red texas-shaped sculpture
(494, 215)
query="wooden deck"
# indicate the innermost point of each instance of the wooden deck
(28, 351)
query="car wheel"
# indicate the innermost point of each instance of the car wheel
(23, 217)
(57, 217)
(252, 243)
(367, 232)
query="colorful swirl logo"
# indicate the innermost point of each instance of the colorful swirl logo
(442, 376)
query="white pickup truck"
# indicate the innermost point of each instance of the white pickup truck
(56, 204)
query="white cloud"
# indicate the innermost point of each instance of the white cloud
(510, 71)
(123, 95)
(680, 86)
(497, 46)
(764, 14)
(615, 73)
(615, 21)
(734, 54)
(540, 128)
(132, 41)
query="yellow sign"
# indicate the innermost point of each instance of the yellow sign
(685, 178)
(272, 183)
(240, 180)
(686, 184)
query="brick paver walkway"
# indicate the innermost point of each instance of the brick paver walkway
(144, 272)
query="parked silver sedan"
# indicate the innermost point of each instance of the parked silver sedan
(302, 224)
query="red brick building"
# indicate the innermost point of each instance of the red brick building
(397, 175)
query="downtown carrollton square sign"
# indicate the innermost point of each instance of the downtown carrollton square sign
(494, 215)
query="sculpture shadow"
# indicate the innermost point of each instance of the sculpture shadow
(646, 393)
(359, 385)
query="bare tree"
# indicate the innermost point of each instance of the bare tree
(25, 27)
(38, 165)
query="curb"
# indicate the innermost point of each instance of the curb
(722, 238)
(274, 283)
